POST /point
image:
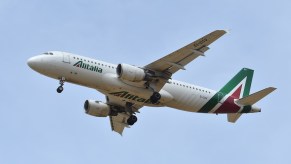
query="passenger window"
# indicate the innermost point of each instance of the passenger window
(48, 53)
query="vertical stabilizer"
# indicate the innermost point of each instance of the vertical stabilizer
(242, 79)
(239, 86)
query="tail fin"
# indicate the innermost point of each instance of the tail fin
(248, 102)
(239, 86)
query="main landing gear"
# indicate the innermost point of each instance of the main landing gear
(61, 88)
(155, 97)
(129, 109)
(131, 120)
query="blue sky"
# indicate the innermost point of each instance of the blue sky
(37, 125)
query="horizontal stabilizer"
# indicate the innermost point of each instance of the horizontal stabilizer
(232, 117)
(255, 97)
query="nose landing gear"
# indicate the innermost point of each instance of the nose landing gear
(61, 88)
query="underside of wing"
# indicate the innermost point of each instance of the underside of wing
(119, 122)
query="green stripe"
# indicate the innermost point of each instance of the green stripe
(245, 72)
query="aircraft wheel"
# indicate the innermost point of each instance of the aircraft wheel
(131, 120)
(60, 89)
(155, 97)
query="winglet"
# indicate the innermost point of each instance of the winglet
(228, 31)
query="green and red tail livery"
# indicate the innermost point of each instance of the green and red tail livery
(223, 101)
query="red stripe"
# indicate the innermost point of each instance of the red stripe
(228, 105)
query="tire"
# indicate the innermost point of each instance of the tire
(131, 120)
(155, 97)
(60, 89)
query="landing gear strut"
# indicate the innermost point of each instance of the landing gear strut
(131, 120)
(61, 88)
(155, 97)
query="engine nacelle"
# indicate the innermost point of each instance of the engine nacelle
(96, 108)
(130, 73)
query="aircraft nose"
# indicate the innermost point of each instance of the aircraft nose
(34, 62)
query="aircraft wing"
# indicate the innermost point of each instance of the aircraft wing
(179, 59)
(119, 122)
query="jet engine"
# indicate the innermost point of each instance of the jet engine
(130, 73)
(97, 108)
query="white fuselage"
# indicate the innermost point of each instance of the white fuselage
(102, 76)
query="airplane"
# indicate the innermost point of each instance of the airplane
(128, 88)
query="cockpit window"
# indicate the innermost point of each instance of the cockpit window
(48, 53)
